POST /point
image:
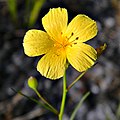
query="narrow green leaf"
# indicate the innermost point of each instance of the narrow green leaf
(12, 6)
(79, 105)
(35, 12)
(32, 99)
(28, 8)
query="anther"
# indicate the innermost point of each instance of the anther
(77, 38)
(75, 43)
(71, 35)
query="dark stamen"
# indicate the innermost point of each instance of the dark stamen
(77, 38)
(75, 43)
(71, 35)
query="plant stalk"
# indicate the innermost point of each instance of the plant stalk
(63, 97)
(75, 80)
(50, 106)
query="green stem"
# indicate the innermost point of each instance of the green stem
(75, 80)
(63, 97)
(51, 107)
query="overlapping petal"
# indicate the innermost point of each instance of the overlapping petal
(81, 27)
(55, 22)
(37, 42)
(81, 56)
(52, 65)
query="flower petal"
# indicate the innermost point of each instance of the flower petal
(81, 28)
(81, 56)
(55, 22)
(36, 42)
(52, 65)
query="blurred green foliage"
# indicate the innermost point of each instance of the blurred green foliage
(35, 12)
(32, 9)
(12, 6)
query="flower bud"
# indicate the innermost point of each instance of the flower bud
(32, 83)
(101, 49)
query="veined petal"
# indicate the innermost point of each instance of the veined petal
(81, 56)
(52, 65)
(81, 27)
(37, 42)
(55, 22)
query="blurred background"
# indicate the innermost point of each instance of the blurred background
(103, 80)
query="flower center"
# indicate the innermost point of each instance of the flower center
(62, 45)
(63, 42)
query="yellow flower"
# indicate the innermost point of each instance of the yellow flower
(62, 43)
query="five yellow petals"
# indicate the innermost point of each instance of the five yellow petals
(62, 43)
